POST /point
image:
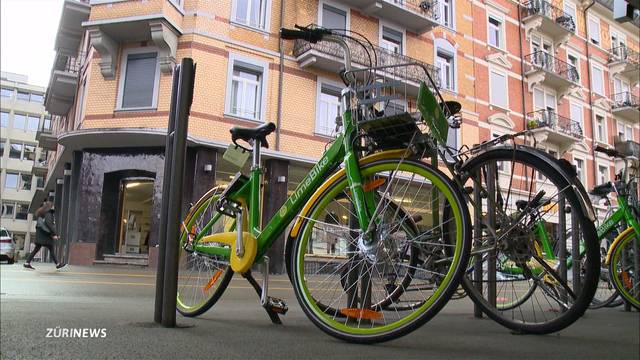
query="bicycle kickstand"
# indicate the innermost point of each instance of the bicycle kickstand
(273, 306)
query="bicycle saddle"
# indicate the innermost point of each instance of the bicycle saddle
(258, 133)
(602, 190)
(451, 108)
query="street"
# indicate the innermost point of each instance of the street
(120, 300)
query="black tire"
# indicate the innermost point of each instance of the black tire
(300, 276)
(515, 318)
(11, 261)
(187, 258)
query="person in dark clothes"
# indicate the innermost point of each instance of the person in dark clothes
(46, 234)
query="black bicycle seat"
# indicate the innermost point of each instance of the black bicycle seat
(258, 133)
(602, 190)
(451, 107)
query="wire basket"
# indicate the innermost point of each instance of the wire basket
(385, 108)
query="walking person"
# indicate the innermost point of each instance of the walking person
(46, 234)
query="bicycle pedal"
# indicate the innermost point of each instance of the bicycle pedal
(277, 305)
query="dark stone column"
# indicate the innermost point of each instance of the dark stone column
(74, 188)
(204, 173)
(57, 203)
(277, 176)
(63, 241)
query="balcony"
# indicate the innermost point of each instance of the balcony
(70, 29)
(415, 15)
(626, 105)
(46, 139)
(542, 17)
(548, 126)
(40, 168)
(114, 23)
(624, 61)
(63, 83)
(544, 69)
(328, 56)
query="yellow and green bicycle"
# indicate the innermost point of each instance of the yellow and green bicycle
(380, 239)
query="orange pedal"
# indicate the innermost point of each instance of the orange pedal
(213, 280)
(361, 314)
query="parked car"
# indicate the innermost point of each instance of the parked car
(7, 246)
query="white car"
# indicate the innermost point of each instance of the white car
(7, 246)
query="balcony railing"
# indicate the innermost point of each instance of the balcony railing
(541, 7)
(550, 119)
(623, 53)
(625, 99)
(425, 8)
(368, 56)
(549, 63)
(70, 64)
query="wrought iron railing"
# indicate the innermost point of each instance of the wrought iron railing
(625, 99)
(373, 56)
(550, 119)
(67, 63)
(549, 63)
(546, 9)
(426, 8)
(623, 53)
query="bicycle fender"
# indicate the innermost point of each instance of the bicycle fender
(615, 243)
(249, 242)
(565, 168)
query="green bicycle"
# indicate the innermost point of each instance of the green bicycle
(623, 258)
(398, 259)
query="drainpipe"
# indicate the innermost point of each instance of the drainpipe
(280, 79)
(593, 127)
(524, 109)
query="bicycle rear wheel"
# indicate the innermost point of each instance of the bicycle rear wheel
(624, 268)
(515, 276)
(202, 278)
(372, 291)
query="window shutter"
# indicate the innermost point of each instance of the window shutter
(139, 80)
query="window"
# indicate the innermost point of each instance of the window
(501, 165)
(444, 62)
(4, 119)
(579, 163)
(29, 152)
(597, 83)
(42, 156)
(37, 98)
(140, 81)
(575, 113)
(625, 132)
(6, 93)
(246, 89)
(19, 121)
(594, 31)
(498, 89)
(33, 122)
(543, 99)
(573, 60)
(47, 122)
(11, 180)
(494, 37)
(1, 148)
(570, 10)
(23, 95)
(39, 182)
(333, 18)
(328, 109)
(252, 13)
(603, 174)
(392, 40)
(22, 211)
(25, 182)
(15, 151)
(8, 209)
(600, 129)
(446, 11)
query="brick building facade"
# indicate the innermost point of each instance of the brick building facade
(565, 69)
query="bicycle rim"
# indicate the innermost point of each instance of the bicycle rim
(624, 265)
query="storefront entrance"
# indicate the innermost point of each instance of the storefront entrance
(136, 203)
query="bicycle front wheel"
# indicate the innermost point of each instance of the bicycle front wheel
(624, 267)
(378, 285)
(526, 273)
